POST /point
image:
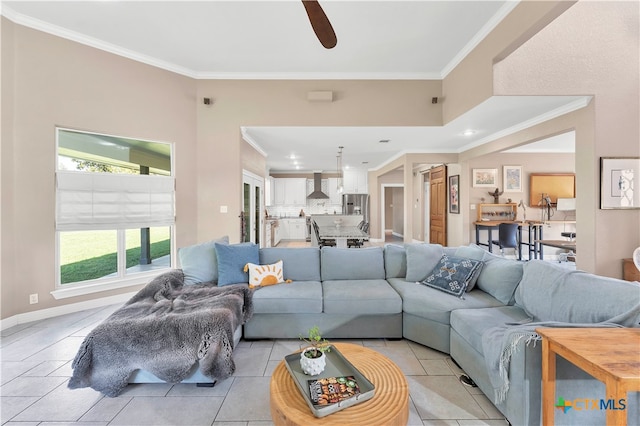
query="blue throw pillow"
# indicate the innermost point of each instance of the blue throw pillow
(452, 274)
(199, 263)
(231, 261)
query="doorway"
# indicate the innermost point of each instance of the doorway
(438, 205)
(392, 214)
(252, 208)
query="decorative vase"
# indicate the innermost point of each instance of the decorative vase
(312, 366)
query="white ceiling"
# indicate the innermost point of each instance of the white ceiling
(419, 39)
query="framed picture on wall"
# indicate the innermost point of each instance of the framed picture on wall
(485, 178)
(619, 183)
(454, 194)
(512, 178)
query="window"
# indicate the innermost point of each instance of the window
(114, 209)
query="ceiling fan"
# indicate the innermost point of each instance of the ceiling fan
(320, 23)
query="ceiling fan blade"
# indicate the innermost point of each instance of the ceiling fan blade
(320, 23)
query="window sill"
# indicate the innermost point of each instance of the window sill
(83, 289)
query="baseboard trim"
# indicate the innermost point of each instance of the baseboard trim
(63, 310)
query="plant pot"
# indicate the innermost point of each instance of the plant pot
(312, 366)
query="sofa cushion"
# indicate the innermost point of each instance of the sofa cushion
(499, 276)
(298, 297)
(395, 261)
(435, 305)
(360, 297)
(452, 274)
(199, 263)
(232, 259)
(299, 264)
(470, 324)
(550, 292)
(352, 264)
(421, 259)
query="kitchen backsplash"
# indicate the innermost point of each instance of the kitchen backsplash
(322, 206)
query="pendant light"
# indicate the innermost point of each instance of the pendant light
(340, 173)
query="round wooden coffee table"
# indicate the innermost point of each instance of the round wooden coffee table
(389, 406)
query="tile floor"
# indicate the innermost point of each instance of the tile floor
(36, 364)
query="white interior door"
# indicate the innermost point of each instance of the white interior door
(252, 207)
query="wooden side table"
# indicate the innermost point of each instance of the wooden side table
(609, 354)
(389, 406)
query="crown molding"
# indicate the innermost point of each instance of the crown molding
(55, 30)
(480, 35)
(315, 76)
(565, 109)
(248, 139)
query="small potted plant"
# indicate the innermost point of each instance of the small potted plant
(312, 359)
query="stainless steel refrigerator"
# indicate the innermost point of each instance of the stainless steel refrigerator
(356, 204)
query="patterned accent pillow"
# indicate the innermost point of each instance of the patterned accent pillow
(264, 275)
(452, 274)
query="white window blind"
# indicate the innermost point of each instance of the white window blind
(113, 201)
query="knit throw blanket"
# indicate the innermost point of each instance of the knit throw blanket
(166, 328)
(500, 343)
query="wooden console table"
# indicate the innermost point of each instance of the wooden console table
(609, 354)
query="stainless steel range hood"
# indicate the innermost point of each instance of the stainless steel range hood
(317, 188)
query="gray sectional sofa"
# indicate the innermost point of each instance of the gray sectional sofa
(373, 293)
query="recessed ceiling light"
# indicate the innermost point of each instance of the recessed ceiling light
(297, 167)
(365, 162)
(384, 141)
(469, 132)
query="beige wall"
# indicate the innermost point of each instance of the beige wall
(397, 225)
(284, 103)
(531, 163)
(603, 60)
(471, 82)
(57, 82)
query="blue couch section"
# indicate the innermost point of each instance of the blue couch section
(344, 289)
(373, 293)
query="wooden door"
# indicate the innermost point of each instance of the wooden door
(438, 205)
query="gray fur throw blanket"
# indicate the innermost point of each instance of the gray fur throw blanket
(165, 329)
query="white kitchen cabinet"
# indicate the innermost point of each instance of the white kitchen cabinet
(280, 189)
(355, 182)
(283, 229)
(290, 191)
(293, 229)
(269, 191)
(267, 234)
(297, 229)
(277, 233)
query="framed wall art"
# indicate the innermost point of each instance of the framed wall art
(454, 194)
(512, 178)
(619, 183)
(485, 178)
(551, 185)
